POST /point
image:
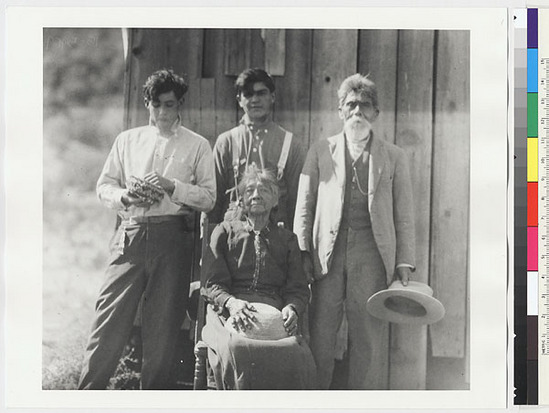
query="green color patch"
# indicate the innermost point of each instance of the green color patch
(532, 107)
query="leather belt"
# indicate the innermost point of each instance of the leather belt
(188, 221)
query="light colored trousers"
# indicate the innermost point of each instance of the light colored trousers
(355, 274)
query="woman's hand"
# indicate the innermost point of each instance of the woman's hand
(290, 319)
(241, 313)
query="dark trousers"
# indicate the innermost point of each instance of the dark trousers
(152, 261)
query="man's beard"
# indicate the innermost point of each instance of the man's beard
(357, 131)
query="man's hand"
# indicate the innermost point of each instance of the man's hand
(290, 319)
(132, 200)
(241, 312)
(157, 179)
(307, 261)
(403, 274)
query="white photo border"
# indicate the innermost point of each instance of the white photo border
(488, 202)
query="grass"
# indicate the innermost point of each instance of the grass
(76, 233)
(76, 236)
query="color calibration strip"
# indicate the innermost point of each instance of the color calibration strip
(531, 129)
(541, 111)
(521, 218)
(532, 218)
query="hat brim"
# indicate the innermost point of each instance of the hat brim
(405, 306)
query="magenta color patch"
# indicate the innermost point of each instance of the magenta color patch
(532, 249)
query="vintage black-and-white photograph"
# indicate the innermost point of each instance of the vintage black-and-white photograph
(308, 201)
(256, 209)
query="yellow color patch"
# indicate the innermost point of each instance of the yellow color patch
(532, 160)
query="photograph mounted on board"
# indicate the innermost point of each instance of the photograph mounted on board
(256, 209)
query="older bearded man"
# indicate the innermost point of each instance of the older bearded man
(355, 227)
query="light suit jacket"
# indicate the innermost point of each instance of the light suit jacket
(320, 203)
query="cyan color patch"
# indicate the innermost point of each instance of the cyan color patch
(532, 70)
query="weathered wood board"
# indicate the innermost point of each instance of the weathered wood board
(449, 215)
(293, 90)
(414, 134)
(377, 58)
(333, 59)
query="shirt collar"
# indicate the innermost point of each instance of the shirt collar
(356, 149)
(245, 120)
(175, 126)
(364, 141)
(250, 228)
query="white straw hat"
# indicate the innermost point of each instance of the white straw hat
(413, 304)
(268, 324)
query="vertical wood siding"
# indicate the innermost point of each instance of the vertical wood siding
(275, 51)
(423, 85)
(378, 58)
(224, 114)
(449, 212)
(414, 135)
(334, 58)
(238, 44)
(293, 90)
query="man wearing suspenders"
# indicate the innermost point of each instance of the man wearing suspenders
(257, 140)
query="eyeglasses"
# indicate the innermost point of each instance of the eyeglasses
(352, 104)
(248, 94)
(168, 104)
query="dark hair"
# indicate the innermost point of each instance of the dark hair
(361, 85)
(163, 81)
(255, 174)
(246, 80)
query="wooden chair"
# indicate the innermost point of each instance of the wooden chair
(201, 348)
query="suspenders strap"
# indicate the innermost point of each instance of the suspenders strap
(281, 160)
(284, 155)
(236, 158)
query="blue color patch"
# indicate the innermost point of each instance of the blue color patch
(532, 70)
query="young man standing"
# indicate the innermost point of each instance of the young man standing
(151, 250)
(258, 141)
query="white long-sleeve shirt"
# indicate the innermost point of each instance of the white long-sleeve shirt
(185, 157)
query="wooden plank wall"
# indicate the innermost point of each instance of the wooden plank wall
(414, 135)
(293, 90)
(450, 220)
(377, 57)
(423, 84)
(450, 216)
(334, 58)
(224, 114)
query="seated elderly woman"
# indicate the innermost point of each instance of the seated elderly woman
(257, 291)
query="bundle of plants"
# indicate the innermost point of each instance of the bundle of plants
(145, 190)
